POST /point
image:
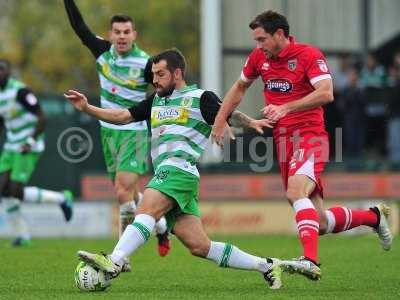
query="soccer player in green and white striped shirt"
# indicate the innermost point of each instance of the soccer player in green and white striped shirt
(24, 123)
(181, 117)
(125, 72)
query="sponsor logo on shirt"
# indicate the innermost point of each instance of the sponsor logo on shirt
(168, 115)
(109, 73)
(279, 85)
(322, 65)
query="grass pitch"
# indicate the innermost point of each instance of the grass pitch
(352, 268)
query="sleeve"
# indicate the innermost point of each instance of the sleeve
(28, 100)
(95, 44)
(316, 66)
(249, 70)
(209, 106)
(142, 112)
(148, 75)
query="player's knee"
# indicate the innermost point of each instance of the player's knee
(293, 194)
(123, 195)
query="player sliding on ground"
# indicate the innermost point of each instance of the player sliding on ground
(125, 72)
(181, 117)
(297, 84)
(23, 120)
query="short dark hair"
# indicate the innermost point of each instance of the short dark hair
(121, 19)
(174, 58)
(271, 21)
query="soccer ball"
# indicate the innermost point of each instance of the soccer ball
(89, 279)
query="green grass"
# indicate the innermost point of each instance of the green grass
(353, 268)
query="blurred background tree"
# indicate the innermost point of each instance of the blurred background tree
(38, 40)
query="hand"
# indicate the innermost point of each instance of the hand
(258, 125)
(26, 148)
(275, 112)
(78, 100)
(218, 133)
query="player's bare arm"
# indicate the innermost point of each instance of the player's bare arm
(231, 101)
(323, 94)
(110, 115)
(241, 120)
(95, 44)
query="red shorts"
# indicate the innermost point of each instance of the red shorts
(303, 151)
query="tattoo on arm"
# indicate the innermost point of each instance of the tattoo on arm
(240, 120)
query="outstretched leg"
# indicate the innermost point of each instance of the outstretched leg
(340, 219)
(33, 194)
(190, 231)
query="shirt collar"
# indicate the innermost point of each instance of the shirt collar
(115, 54)
(287, 49)
(188, 88)
(183, 90)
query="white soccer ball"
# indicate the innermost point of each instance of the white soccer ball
(89, 279)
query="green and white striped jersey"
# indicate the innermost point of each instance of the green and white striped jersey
(180, 126)
(123, 78)
(122, 82)
(20, 123)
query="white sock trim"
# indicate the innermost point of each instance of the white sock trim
(308, 224)
(303, 203)
(133, 237)
(146, 220)
(331, 221)
(349, 218)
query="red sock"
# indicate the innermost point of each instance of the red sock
(346, 218)
(307, 220)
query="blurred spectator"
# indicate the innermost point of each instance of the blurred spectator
(340, 80)
(352, 106)
(396, 60)
(333, 116)
(373, 82)
(372, 74)
(393, 127)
